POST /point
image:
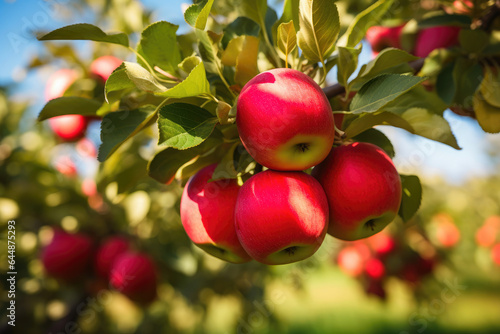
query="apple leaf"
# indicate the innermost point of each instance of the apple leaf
(346, 63)
(158, 46)
(381, 90)
(183, 125)
(412, 197)
(488, 116)
(364, 20)
(467, 75)
(118, 126)
(378, 138)
(286, 40)
(387, 59)
(167, 162)
(490, 86)
(290, 13)
(445, 85)
(142, 78)
(69, 105)
(255, 10)
(85, 31)
(446, 20)
(319, 28)
(473, 41)
(226, 168)
(195, 84)
(242, 52)
(208, 45)
(366, 121)
(197, 14)
(116, 83)
(239, 27)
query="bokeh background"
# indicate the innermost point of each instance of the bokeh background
(435, 274)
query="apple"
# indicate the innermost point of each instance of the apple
(363, 189)
(463, 7)
(351, 259)
(69, 127)
(374, 268)
(382, 244)
(495, 254)
(207, 214)
(486, 235)
(447, 234)
(381, 37)
(102, 67)
(65, 165)
(134, 275)
(108, 252)
(281, 217)
(59, 82)
(67, 256)
(285, 120)
(430, 39)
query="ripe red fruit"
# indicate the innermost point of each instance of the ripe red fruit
(135, 276)
(495, 254)
(281, 217)
(382, 243)
(381, 37)
(363, 189)
(447, 234)
(65, 166)
(69, 127)
(67, 256)
(285, 120)
(108, 252)
(59, 82)
(207, 214)
(351, 260)
(430, 39)
(374, 268)
(102, 67)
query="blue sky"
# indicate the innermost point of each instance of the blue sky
(414, 154)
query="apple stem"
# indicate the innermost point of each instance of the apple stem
(258, 168)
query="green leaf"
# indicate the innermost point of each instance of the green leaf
(319, 28)
(222, 112)
(209, 47)
(254, 9)
(387, 59)
(158, 45)
(490, 86)
(195, 84)
(242, 52)
(446, 20)
(142, 78)
(69, 105)
(487, 116)
(226, 168)
(183, 125)
(165, 164)
(85, 31)
(364, 20)
(197, 15)
(287, 39)
(347, 63)
(290, 13)
(412, 197)
(445, 85)
(366, 121)
(117, 82)
(241, 26)
(467, 75)
(118, 126)
(473, 41)
(378, 138)
(379, 91)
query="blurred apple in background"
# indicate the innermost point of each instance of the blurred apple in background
(107, 254)
(430, 39)
(381, 37)
(486, 235)
(102, 67)
(281, 217)
(495, 254)
(363, 189)
(208, 215)
(445, 231)
(67, 256)
(285, 120)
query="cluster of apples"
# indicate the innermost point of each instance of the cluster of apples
(72, 127)
(281, 215)
(69, 258)
(488, 236)
(373, 260)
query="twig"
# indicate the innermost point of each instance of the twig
(486, 22)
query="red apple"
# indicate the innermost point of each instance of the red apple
(67, 256)
(363, 189)
(381, 37)
(382, 244)
(107, 254)
(460, 7)
(102, 67)
(374, 268)
(495, 254)
(59, 82)
(285, 120)
(447, 234)
(135, 276)
(65, 166)
(86, 148)
(69, 127)
(281, 217)
(351, 260)
(430, 39)
(207, 214)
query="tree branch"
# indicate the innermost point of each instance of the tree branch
(486, 22)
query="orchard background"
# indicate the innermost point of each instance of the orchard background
(432, 270)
